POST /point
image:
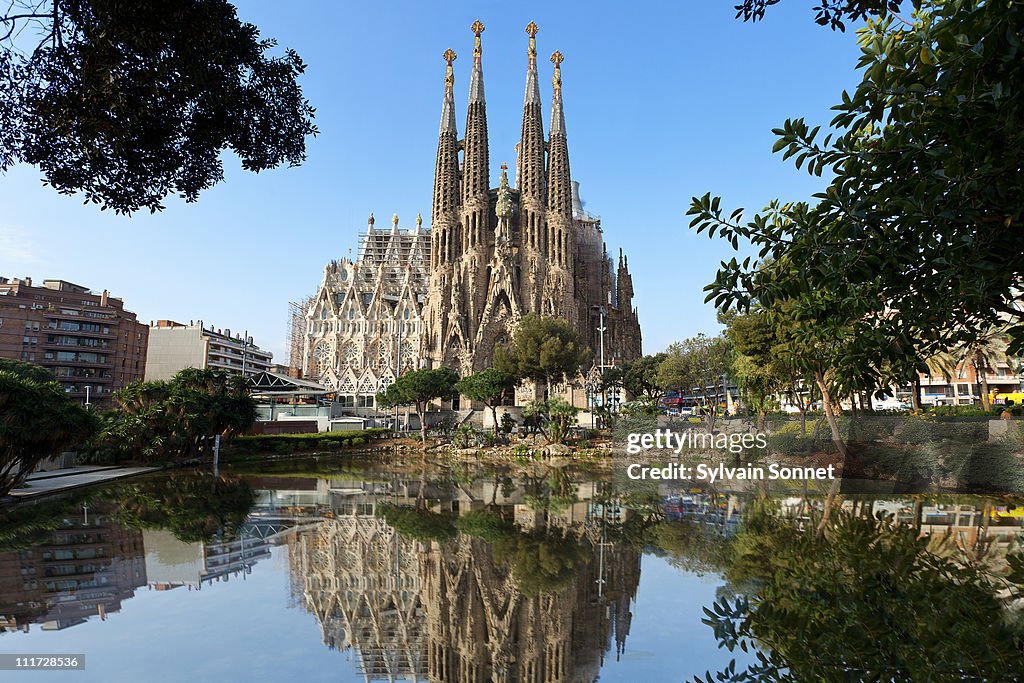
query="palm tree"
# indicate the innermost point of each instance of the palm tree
(984, 353)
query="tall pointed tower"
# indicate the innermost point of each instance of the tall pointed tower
(476, 190)
(445, 240)
(501, 253)
(532, 184)
(559, 297)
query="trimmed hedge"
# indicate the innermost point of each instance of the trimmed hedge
(298, 443)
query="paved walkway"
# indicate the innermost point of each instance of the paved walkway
(40, 483)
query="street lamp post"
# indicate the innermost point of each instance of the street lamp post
(601, 329)
(245, 346)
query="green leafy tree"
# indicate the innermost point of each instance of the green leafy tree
(131, 102)
(830, 13)
(418, 388)
(489, 387)
(640, 378)
(552, 417)
(916, 242)
(544, 350)
(37, 420)
(176, 419)
(698, 364)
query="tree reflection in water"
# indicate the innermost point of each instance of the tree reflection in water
(867, 600)
(506, 576)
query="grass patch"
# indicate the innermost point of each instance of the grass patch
(298, 443)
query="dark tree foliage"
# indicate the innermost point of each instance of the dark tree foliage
(915, 244)
(194, 506)
(175, 419)
(417, 523)
(129, 102)
(543, 349)
(419, 388)
(866, 601)
(829, 13)
(542, 561)
(37, 420)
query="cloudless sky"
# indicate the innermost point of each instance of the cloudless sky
(663, 101)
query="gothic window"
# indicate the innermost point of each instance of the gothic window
(408, 356)
(350, 355)
(384, 359)
(322, 354)
(351, 314)
(323, 314)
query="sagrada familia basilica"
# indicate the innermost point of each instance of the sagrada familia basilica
(449, 295)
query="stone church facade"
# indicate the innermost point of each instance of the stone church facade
(448, 296)
(498, 254)
(363, 327)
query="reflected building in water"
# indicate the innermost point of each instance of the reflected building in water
(450, 611)
(172, 563)
(87, 568)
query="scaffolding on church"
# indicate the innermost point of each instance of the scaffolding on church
(296, 332)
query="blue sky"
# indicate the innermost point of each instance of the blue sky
(663, 101)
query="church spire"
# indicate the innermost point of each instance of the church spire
(530, 175)
(446, 172)
(448, 107)
(559, 179)
(557, 115)
(532, 95)
(475, 165)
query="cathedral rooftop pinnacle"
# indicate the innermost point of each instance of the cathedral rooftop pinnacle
(557, 115)
(448, 108)
(476, 82)
(394, 223)
(369, 222)
(532, 88)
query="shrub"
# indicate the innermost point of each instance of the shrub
(789, 440)
(915, 430)
(293, 443)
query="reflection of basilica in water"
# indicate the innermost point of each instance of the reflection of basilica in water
(449, 610)
(530, 580)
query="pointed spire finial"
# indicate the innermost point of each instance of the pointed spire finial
(478, 49)
(556, 79)
(394, 222)
(370, 219)
(449, 72)
(419, 220)
(531, 29)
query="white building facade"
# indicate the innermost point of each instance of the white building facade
(363, 325)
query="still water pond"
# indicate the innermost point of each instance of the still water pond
(333, 571)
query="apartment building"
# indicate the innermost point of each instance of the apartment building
(91, 344)
(174, 346)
